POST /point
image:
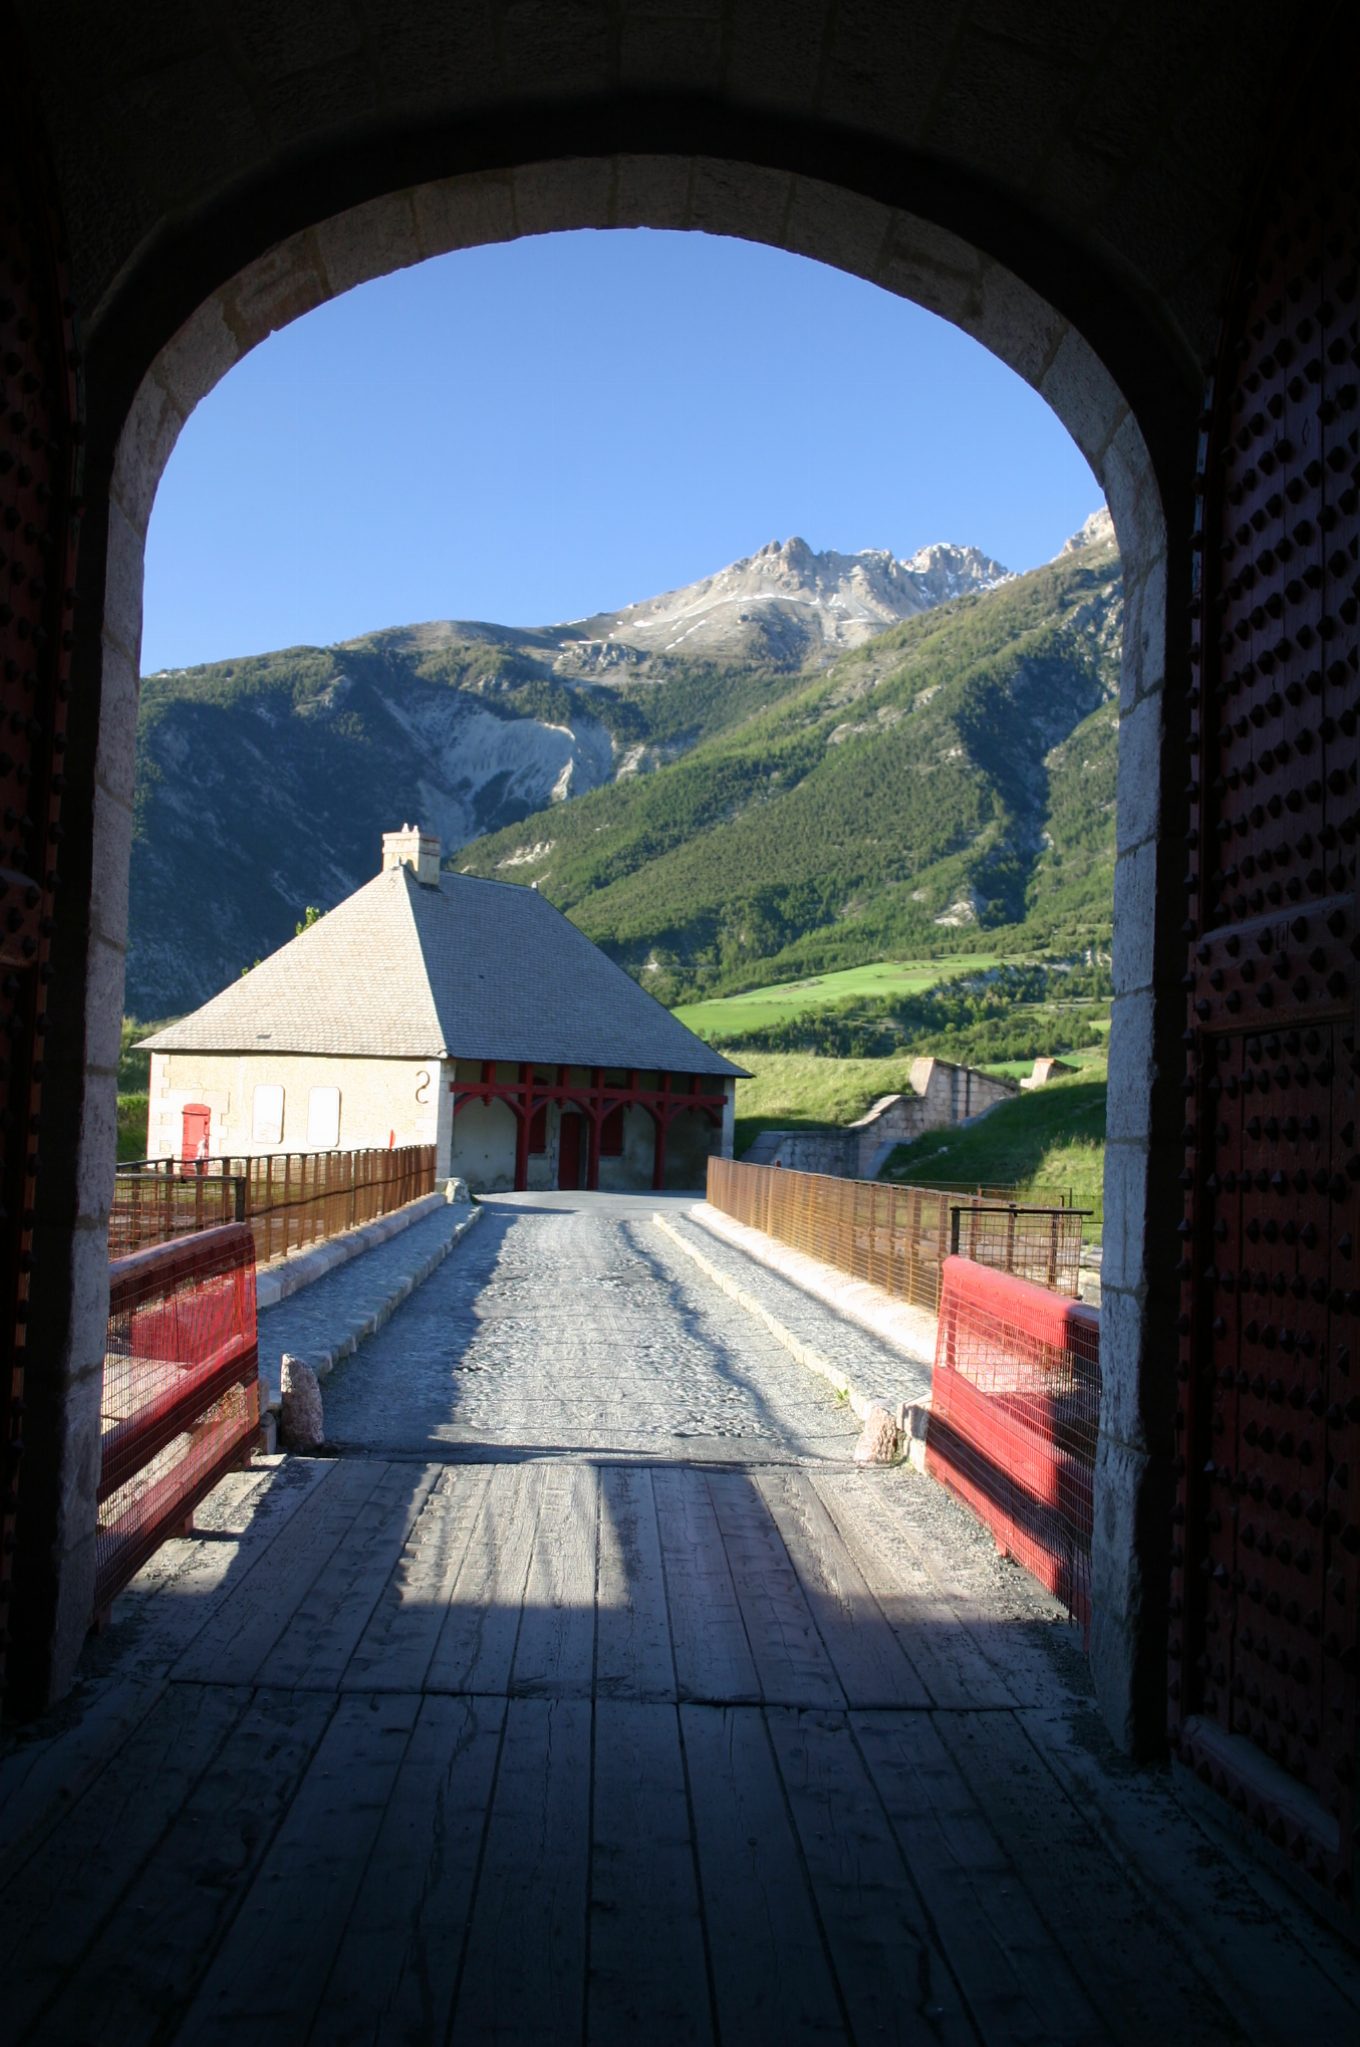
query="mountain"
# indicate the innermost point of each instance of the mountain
(264, 784)
(954, 773)
(787, 607)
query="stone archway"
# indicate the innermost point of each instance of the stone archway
(915, 259)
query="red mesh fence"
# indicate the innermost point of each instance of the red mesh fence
(181, 1398)
(1015, 1406)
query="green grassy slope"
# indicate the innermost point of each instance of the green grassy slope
(1052, 1139)
(960, 759)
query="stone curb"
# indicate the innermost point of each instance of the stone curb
(910, 1330)
(367, 1324)
(303, 1268)
(806, 1353)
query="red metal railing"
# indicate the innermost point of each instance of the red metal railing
(1015, 1406)
(180, 1402)
(288, 1198)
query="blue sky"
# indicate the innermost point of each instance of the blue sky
(547, 428)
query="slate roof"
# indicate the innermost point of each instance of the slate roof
(470, 969)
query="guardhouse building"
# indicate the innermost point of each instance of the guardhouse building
(442, 1009)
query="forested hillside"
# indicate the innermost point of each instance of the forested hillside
(955, 775)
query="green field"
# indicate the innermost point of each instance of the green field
(729, 1017)
(1052, 1139)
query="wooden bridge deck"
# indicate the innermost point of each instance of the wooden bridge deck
(550, 1749)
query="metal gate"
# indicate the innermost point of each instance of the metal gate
(1266, 1553)
(38, 447)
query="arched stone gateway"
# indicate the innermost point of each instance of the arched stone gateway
(1071, 191)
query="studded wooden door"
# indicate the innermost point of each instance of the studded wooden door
(1263, 1677)
(38, 436)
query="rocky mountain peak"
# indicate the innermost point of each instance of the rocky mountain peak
(1097, 531)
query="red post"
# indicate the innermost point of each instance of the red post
(522, 1120)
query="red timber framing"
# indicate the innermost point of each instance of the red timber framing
(595, 1099)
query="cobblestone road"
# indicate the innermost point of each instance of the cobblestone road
(571, 1326)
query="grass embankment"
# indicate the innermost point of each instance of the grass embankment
(801, 1091)
(1050, 1139)
(729, 1017)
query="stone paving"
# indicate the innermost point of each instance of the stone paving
(565, 1328)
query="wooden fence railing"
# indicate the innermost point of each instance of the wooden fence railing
(897, 1238)
(288, 1198)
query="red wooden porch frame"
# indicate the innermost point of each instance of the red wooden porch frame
(594, 1099)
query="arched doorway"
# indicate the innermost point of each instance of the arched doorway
(244, 254)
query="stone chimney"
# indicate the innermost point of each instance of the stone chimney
(413, 848)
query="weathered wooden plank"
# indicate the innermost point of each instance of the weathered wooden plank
(1018, 1984)
(867, 1656)
(1104, 1924)
(397, 1960)
(525, 1969)
(931, 1628)
(42, 1776)
(190, 1578)
(555, 1652)
(139, 1976)
(476, 1644)
(396, 1647)
(708, 1636)
(231, 1648)
(269, 1973)
(894, 1978)
(329, 1619)
(789, 1654)
(771, 1977)
(648, 1972)
(52, 1910)
(633, 1657)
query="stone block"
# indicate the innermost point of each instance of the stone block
(557, 48)
(836, 226)
(198, 356)
(150, 431)
(119, 695)
(123, 572)
(1143, 667)
(1128, 1578)
(369, 241)
(652, 191)
(572, 193)
(739, 199)
(274, 290)
(105, 975)
(934, 268)
(1017, 325)
(109, 879)
(1138, 793)
(1090, 405)
(465, 213)
(1134, 499)
(1122, 1416)
(301, 1423)
(1136, 876)
(98, 1144)
(1133, 1070)
(669, 53)
(774, 52)
(1126, 1189)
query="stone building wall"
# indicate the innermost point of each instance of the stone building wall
(265, 1102)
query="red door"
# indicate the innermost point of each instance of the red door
(195, 1133)
(570, 1151)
